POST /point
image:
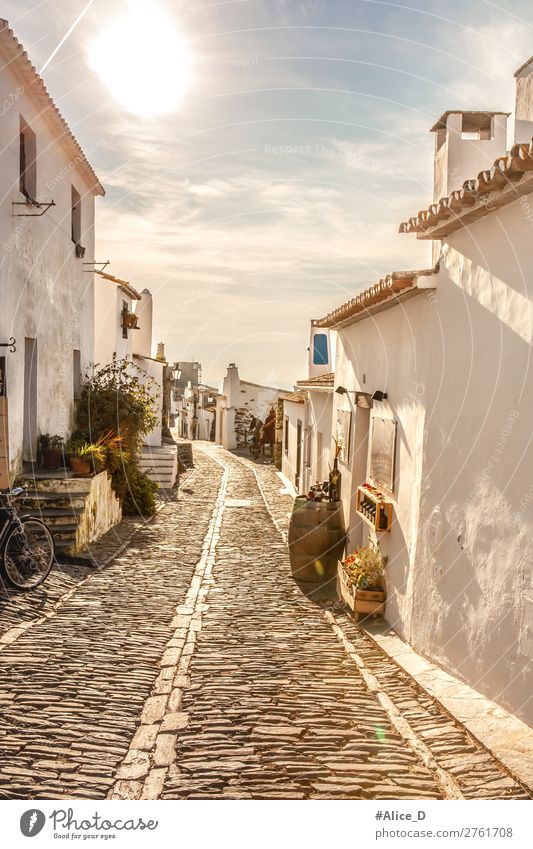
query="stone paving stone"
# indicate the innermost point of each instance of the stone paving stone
(168, 674)
(78, 682)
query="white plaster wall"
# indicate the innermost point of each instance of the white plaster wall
(320, 411)
(142, 337)
(106, 328)
(293, 411)
(457, 367)
(152, 370)
(45, 293)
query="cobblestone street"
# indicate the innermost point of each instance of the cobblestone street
(191, 666)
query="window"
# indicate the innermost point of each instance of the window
(28, 160)
(286, 436)
(320, 349)
(123, 316)
(76, 216)
(76, 375)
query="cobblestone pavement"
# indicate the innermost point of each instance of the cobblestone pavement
(193, 667)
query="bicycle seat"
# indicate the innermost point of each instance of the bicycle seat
(18, 491)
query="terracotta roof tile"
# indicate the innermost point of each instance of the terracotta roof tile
(321, 381)
(510, 177)
(387, 292)
(298, 397)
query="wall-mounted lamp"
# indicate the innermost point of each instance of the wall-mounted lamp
(379, 395)
(341, 390)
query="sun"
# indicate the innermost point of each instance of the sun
(142, 59)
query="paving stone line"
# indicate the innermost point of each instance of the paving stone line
(152, 750)
(444, 780)
(276, 708)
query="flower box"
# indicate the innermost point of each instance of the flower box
(360, 601)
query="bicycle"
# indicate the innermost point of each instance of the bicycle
(27, 551)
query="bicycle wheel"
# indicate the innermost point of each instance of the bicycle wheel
(28, 554)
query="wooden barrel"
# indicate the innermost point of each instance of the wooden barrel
(316, 540)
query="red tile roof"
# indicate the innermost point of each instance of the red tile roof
(386, 293)
(297, 397)
(322, 381)
(510, 177)
(15, 54)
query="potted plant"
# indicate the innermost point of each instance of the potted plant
(51, 449)
(361, 581)
(85, 457)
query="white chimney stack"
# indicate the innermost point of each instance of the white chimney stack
(465, 144)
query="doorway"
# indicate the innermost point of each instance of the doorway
(298, 455)
(29, 425)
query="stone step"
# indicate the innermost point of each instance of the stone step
(38, 506)
(60, 485)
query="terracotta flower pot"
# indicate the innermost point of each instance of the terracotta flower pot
(80, 467)
(52, 458)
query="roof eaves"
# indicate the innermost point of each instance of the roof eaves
(510, 177)
(37, 90)
(385, 294)
(122, 284)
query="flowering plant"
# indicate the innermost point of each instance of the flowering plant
(364, 569)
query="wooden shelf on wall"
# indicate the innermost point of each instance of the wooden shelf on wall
(374, 508)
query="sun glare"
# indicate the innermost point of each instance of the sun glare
(143, 60)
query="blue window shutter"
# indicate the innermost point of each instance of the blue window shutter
(320, 349)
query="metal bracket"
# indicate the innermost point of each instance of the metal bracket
(96, 262)
(32, 202)
(11, 345)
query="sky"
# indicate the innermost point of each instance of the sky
(271, 191)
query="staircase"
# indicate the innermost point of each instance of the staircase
(160, 464)
(77, 510)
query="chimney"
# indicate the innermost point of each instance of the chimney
(142, 338)
(523, 120)
(465, 144)
(161, 352)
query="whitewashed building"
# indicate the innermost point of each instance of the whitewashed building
(307, 443)
(239, 401)
(47, 192)
(438, 407)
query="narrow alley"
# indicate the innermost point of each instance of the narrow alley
(191, 666)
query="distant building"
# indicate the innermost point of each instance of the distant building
(240, 403)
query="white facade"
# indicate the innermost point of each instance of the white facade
(239, 401)
(307, 449)
(293, 447)
(454, 358)
(46, 282)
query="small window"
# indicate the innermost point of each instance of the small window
(123, 318)
(3, 386)
(286, 436)
(28, 160)
(320, 349)
(76, 216)
(76, 375)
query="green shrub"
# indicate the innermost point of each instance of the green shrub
(115, 411)
(139, 494)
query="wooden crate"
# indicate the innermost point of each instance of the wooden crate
(361, 601)
(383, 518)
